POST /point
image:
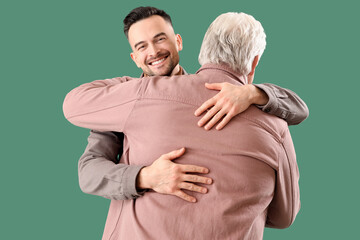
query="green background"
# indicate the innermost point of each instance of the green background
(49, 47)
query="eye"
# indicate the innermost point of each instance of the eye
(141, 47)
(161, 39)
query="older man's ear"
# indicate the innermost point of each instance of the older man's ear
(250, 76)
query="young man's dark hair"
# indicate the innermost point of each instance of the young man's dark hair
(140, 13)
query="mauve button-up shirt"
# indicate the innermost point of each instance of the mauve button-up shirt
(252, 160)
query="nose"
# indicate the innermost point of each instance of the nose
(153, 50)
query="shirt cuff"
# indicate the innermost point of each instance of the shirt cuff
(130, 181)
(272, 104)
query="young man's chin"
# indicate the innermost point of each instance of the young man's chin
(164, 71)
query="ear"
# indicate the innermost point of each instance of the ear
(250, 76)
(179, 42)
(253, 65)
(133, 57)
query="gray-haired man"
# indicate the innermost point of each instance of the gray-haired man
(252, 160)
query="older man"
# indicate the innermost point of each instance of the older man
(155, 49)
(252, 160)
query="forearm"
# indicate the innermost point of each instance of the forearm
(284, 104)
(99, 172)
(112, 181)
(257, 95)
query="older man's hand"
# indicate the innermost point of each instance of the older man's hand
(166, 177)
(229, 102)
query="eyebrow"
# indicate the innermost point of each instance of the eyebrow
(137, 44)
(157, 35)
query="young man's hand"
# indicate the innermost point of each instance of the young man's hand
(229, 102)
(167, 177)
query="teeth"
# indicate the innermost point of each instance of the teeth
(157, 62)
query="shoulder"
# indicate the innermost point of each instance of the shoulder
(275, 126)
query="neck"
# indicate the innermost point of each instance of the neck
(250, 78)
(176, 70)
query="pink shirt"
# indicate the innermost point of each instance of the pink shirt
(252, 160)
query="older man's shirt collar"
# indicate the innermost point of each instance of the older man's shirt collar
(225, 68)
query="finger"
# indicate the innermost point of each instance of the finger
(225, 121)
(193, 169)
(208, 115)
(196, 178)
(215, 119)
(214, 86)
(184, 196)
(174, 154)
(192, 187)
(205, 106)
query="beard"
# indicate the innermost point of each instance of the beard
(165, 70)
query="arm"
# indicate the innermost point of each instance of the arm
(286, 201)
(101, 174)
(105, 105)
(102, 105)
(284, 104)
(234, 99)
(99, 171)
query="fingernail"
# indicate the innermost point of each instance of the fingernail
(204, 190)
(206, 170)
(193, 200)
(209, 181)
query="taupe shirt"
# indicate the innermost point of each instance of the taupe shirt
(252, 160)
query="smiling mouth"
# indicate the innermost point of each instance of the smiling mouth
(158, 61)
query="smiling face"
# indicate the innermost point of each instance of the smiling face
(155, 46)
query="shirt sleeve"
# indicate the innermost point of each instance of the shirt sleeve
(101, 174)
(286, 201)
(284, 104)
(103, 105)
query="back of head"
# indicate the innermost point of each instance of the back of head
(140, 13)
(234, 39)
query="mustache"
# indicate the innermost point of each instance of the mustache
(160, 55)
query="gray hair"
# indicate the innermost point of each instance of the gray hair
(234, 39)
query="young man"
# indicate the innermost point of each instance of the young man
(155, 49)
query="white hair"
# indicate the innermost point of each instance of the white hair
(234, 39)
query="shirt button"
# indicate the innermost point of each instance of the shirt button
(284, 114)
